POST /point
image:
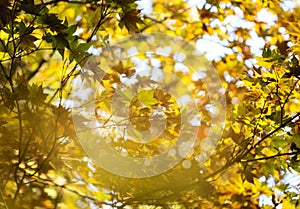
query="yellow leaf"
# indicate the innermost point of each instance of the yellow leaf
(264, 62)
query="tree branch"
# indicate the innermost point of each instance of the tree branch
(66, 1)
(64, 186)
(243, 154)
(103, 18)
(270, 157)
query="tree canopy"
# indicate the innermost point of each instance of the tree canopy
(241, 149)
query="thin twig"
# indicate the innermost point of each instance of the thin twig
(270, 157)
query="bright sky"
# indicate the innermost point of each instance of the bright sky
(212, 45)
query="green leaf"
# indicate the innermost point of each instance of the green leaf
(130, 19)
(70, 30)
(27, 42)
(2, 46)
(37, 94)
(266, 52)
(295, 61)
(54, 23)
(48, 38)
(61, 51)
(249, 176)
(5, 12)
(287, 75)
(62, 41)
(146, 97)
(124, 95)
(83, 47)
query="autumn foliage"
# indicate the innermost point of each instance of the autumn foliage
(44, 46)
